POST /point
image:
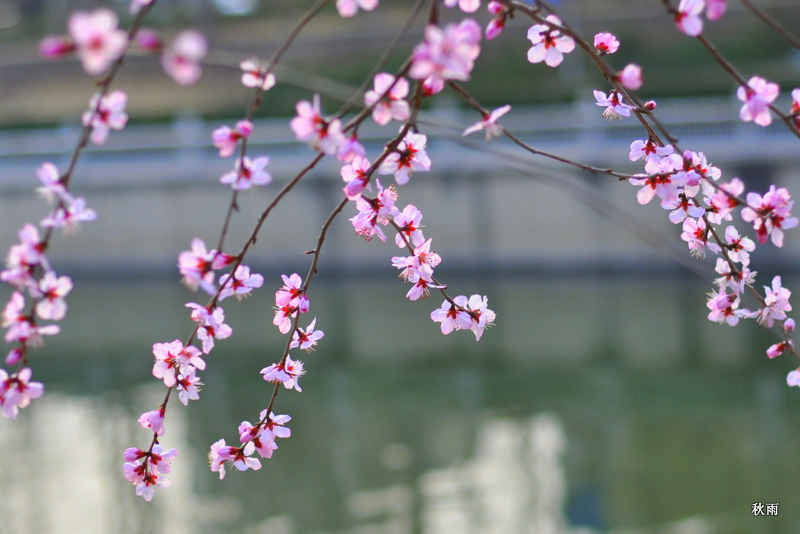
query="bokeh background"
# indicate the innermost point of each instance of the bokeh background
(603, 401)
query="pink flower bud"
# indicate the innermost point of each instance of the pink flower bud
(631, 77)
(650, 105)
(56, 46)
(14, 356)
(495, 28)
(147, 39)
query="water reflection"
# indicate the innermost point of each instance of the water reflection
(502, 438)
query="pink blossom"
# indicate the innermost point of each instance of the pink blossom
(106, 113)
(17, 391)
(218, 456)
(145, 475)
(226, 139)
(682, 207)
(482, 317)
(306, 339)
(715, 9)
(495, 28)
(242, 283)
(388, 105)
(724, 200)
(778, 348)
(419, 265)
(663, 184)
(69, 215)
(196, 267)
(446, 54)
(311, 127)
(771, 214)
(489, 123)
(247, 173)
(648, 150)
(409, 157)
(147, 39)
(349, 8)
(695, 234)
(98, 40)
(631, 77)
(292, 293)
(153, 420)
(467, 6)
(283, 318)
(181, 60)
(432, 86)
(793, 378)
(738, 246)
(734, 280)
(256, 75)
(421, 289)
(350, 149)
(53, 290)
(210, 325)
(188, 386)
(174, 357)
(549, 45)
(776, 304)
(374, 212)
(723, 308)
(410, 228)
(795, 111)
(15, 355)
(22, 259)
(614, 104)
(55, 46)
(687, 18)
(453, 316)
(757, 97)
(605, 43)
(21, 327)
(263, 435)
(52, 187)
(288, 373)
(356, 175)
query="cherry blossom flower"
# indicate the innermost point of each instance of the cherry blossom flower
(409, 157)
(631, 77)
(263, 436)
(648, 150)
(421, 289)
(757, 97)
(778, 348)
(98, 40)
(55, 46)
(446, 54)
(467, 6)
(350, 149)
(154, 421)
(374, 212)
(482, 317)
(695, 234)
(662, 184)
(724, 201)
(793, 378)
(147, 39)
(21, 327)
(687, 17)
(172, 358)
(247, 173)
(715, 9)
(605, 43)
(738, 246)
(181, 60)
(311, 127)
(283, 318)
(292, 293)
(226, 139)
(196, 267)
(255, 75)
(453, 316)
(53, 290)
(69, 215)
(614, 104)
(210, 325)
(733, 280)
(549, 45)
(770, 214)
(15, 355)
(288, 373)
(776, 304)
(106, 113)
(22, 259)
(145, 469)
(489, 123)
(682, 207)
(391, 105)
(306, 339)
(419, 265)
(242, 283)
(432, 86)
(349, 8)
(356, 175)
(498, 23)
(188, 386)
(219, 455)
(410, 228)
(51, 188)
(17, 392)
(723, 308)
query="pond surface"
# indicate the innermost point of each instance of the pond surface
(594, 406)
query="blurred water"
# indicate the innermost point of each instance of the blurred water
(604, 405)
